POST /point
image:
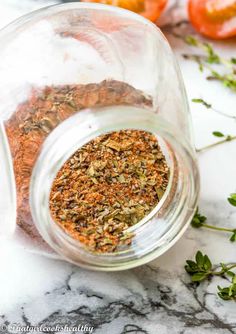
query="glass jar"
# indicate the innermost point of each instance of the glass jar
(69, 73)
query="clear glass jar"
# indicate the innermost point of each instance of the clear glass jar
(125, 77)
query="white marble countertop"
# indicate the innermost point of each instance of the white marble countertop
(157, 298)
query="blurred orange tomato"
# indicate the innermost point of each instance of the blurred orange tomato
(151, 9)
(213, 18)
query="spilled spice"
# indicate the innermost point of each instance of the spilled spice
(45, 108)
(107, 186)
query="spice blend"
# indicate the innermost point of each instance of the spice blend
(107, 186)
(45, 108)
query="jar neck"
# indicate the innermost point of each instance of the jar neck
(168, 218)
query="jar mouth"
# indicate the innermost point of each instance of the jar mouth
(133, 229)
(153, 234)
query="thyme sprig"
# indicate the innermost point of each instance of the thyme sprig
(210, 107)
(199, 221)
(202, 269)
(208, 60)
(225, 139)
(229, 292)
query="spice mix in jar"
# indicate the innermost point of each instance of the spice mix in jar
(98, 162)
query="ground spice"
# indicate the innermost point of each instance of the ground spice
(40, 114)
(107, 186)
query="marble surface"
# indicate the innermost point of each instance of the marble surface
(157, 298)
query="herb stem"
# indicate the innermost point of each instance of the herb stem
(223, 271)
(218, 228)
(221, 60)
(227, 139)
(223, 114)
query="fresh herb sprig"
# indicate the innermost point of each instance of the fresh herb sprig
(225, 138)
(208, 59)
(228, 293)
(218, 134)
(210, 107)
(202, 269)
(199, 221)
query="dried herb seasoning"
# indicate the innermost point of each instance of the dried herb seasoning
(41, 113)
(107, 186)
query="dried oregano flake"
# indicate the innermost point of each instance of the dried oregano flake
(107, 186)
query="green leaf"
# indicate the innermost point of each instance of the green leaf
(199, 277)
(233, 60)
(231, 291)
(198, 220)
(207, 105)
(231, 274)
(212, 58)
(223, 293)
(190, 270)
(192, 264)
(207, 263)
(232, 199)
(199, 259)
(218, 134)
(201, 67)
(190, 40)
(233, 237)
(198, 100)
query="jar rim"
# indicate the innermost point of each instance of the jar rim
(42, 179)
